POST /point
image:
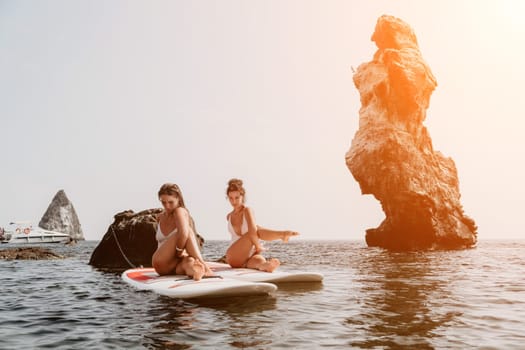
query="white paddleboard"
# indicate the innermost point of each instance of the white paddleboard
(252, 275)
(180, 286)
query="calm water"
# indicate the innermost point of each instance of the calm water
(370, 299)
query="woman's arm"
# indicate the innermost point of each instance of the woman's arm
(252, 229)
(250, 220)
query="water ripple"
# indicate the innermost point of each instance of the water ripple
(370, 299)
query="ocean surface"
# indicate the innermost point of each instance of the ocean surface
(370, 299)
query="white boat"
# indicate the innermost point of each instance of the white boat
(23, 232)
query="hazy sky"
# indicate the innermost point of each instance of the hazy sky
(110, 99)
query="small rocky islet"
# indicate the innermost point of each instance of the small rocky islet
(29, 253)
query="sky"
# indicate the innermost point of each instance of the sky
(108, 100)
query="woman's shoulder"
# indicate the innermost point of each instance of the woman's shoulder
(181, 210)
(247, 210)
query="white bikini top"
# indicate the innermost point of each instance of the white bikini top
(244, 228)
(160, 237)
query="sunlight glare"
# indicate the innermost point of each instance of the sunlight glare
(512, 15)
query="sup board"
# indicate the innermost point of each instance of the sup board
(180, 286)
(252, 275)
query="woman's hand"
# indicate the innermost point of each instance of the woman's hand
(208, 271)
(259, 249)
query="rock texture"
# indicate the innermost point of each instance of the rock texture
(61, 216)
(392, 156)
(29, 253)
(130, 241)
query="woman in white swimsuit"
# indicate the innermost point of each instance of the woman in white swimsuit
(245, 249)
(177, 251)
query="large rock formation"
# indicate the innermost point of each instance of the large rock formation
(130, 240)
(61, 216)
(391, 155)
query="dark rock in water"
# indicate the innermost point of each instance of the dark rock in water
(29, 253)
(61, 216)
(392, 156)
(130, 240)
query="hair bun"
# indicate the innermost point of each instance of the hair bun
(237, 182)
(235, 185)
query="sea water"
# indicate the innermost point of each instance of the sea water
(370, 299)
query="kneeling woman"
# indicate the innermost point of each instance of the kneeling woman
(245, 249)
(178, 251)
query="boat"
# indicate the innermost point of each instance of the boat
(4, 236)
(24, 232)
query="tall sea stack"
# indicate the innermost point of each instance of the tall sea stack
(61, 216)
(391, 155)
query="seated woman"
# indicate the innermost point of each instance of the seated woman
(178, 251)
(245, 249)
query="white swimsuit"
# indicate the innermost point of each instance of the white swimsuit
(161, 238)
(244, 228)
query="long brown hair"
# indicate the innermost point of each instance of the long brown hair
(171, 189)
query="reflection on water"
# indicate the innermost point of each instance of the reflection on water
(398, 289)
(178, 324)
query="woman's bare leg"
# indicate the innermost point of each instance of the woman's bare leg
(258, 262)
(169, 255)
(271, 235)
(239, 252)
(193, 249)
(165, 259)
(238, 255)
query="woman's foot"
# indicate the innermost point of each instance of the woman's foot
(285, 236)
(198, 270)
(270, 265)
